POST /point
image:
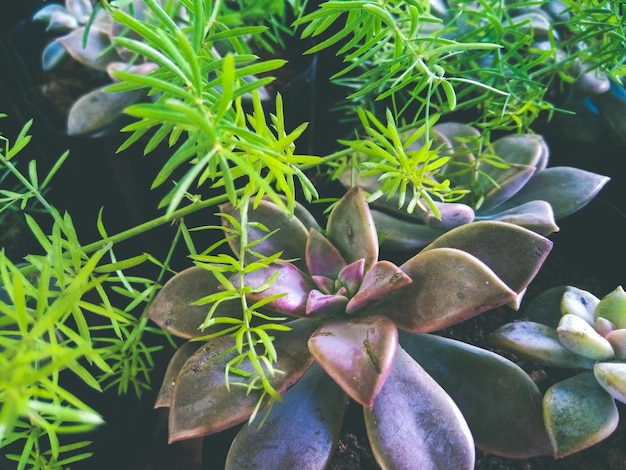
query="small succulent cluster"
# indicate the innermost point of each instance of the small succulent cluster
(571, 328)
(358, 331)
(521, 191)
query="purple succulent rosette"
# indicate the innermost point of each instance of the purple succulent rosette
(360, 331)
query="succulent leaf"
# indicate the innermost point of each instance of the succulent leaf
(578, 413)
(451, 215)
(351, 276)
(500, 402)
(319, 304)
(96, 52)
(579, 337)
(617, 338)
(322, 258)
(174, 308)
(545, 307)
(403, 235)
(612, 377)
(533, 215)
(357, 353)
(579, 302)
(351, 228)
(538, 342)
(383, 279)
(184, 352)
(194, 412)
(300, 432)
(515, 254)
(613, 307)
(448, 286)
(415, 424)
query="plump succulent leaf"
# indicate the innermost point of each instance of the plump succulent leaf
(538, 342)
(357, 353)
(617, 338)
(174, 310)
(449, 286)
(96, 53)
(579, 337)
(579, 302)
(398, 234)
(322, 258)
(566, 189)
(613, 307)
(415, 424)
(578, 413)
(500, 402)
(351, 228)
(203, 403)
(300, 432)
(184, 352)
(612, 377)
(537, 216)
(513, 253)
(545, 307)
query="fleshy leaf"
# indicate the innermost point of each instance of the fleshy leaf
(383, 279)
(545, 307)
(301, 431)
(617, 338)
(322, 258)
(500, 402)
(579, 302)
(538, 342)
(612, 377)
(203, 404)
(578, 414)
(289, 281)
(351, 276)
(448, 286)
(97, 52)
(351, 228)
(613, 307)
(173, 308)
(319, 303)
(579, 337)
(415, 424)
(290, 239)
(452, 215)
(566, 189)
(403, 235)
(533, 215)
(184, 352)
(357, 353)
(514, 253)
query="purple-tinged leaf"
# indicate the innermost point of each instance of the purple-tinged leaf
(351, 276)
(203, 404)
(415, 424)
(448, 286)
(403, 235)
(319, 304)
(500, 402)
(514, 253)
(300, 432)
(184, 352)
(322, 258)
(452, 215)
(383, 279)
(357, 353)
(351, 228)
(537, 216)
(173, 307)
(325, 284)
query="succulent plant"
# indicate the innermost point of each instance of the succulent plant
(571, 328)
(359, 330)
(520, 189)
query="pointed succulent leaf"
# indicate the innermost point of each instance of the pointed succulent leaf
(52, 55)
(324, 284)
(448, 286)
(415, 424)
(322, 258)
(500, 402)
(403, 235)
(578, 414)
(383, 279)
(351, 228)
(97, 52)
(604, 326)
(566, 189)
(617, 338)
(80, 9)
(514, 253)
(533, 215)
(203, 404)
(290, 238)
(319, 304)
(451, 215)
(612, 377)
(174, 308)
(613, 307)
(579, 337)
(579, 302)
(96, 112)
(357, 353)
(351, 276)
(184, 352)
(301, 431)
(288, 280)
(545, 307)
(538, 342)
(524, 154)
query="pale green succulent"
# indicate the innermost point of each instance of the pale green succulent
(572, 328)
